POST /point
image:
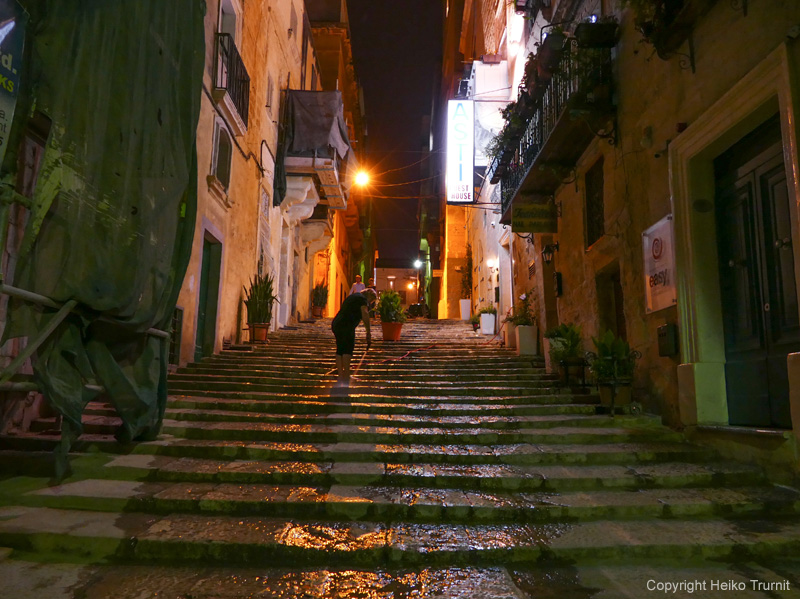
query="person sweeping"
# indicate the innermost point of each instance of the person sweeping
(355, 309)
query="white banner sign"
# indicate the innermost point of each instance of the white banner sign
(659, 266)
(460, 151)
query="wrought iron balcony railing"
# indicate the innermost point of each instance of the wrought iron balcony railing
(230, 75)
(579, 90)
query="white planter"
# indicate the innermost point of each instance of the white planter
(466, 308)
(527, 340)
(511, 335)
(487, 324)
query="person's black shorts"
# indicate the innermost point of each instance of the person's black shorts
(345, 339)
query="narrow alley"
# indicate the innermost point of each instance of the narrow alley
(454, 468)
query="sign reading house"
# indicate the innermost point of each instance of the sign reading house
(659, 266)
(460, 151)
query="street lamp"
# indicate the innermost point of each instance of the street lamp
(549, 251)
(362, 178)
(418, 265)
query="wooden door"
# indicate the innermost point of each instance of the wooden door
(756, 269)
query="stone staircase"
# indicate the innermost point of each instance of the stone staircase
(452, 469)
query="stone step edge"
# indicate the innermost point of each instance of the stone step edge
(96, 536)
(597, 454)
(377, 504)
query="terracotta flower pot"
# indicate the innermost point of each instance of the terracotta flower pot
(391, 330)
(258, 332)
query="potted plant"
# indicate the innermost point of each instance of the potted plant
(612, 366)
(526, 331)
(549, 53)
(566, 352)
(465, 303)
(603, 33)
(390, 311)
(488, 316)
(259, 299)
(475, 321)
(319, 299)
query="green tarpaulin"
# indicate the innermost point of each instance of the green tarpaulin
(114, 204)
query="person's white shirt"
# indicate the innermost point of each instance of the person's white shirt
(357, 287)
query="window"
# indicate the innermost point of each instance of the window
(227, 19)
(221, 156)
(595, 215)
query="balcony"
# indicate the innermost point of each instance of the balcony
(570, 109)
(317, 145)
(317, 230)
(231, 83)
(324, 215)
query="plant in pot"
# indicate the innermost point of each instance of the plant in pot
(549, 53)
(319, 299)
(526, 330)
(465, 303)
(259, 299)
(566, 353)
(488, 316)
(475, 321)
(390, 311)
(612, 366)
(603, 33)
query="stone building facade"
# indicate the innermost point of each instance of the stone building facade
(688, 147)
(301, 236)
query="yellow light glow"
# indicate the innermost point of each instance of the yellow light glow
(411, 285)
(362, 178)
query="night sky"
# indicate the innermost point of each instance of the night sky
(397, 50)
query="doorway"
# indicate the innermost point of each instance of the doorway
(208, 299)
(757, 281)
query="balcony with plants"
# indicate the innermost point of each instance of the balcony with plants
(231, 83)
(565, 100)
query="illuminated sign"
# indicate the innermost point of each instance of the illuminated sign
(659, 266)
(460, 151)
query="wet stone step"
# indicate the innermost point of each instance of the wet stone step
(410, 504)
(297, 405)
(519, 581)
(516, 454)
(209, 387)
(372, 374)
(332, 433)
(421, 421)
(530, 399)
(421, 386)
(487, 477)
(85, 534)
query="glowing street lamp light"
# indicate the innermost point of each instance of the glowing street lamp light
(362, 178)
(417, 263)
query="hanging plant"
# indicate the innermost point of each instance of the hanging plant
(550, 50)
(601, 34)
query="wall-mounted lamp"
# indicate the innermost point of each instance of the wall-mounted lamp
(492, 264)
(549, 251)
